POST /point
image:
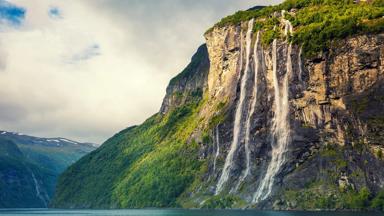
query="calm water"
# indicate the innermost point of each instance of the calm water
(21, 212)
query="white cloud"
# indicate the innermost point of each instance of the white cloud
(97, 66)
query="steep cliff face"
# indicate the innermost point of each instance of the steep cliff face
(306, 126)
(189, 84)
(255, 121)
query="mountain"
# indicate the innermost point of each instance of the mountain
(282, 108)
(30, 166)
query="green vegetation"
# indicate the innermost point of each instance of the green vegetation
(165, 161)
(145, 166)
(197, 59)
(317, 23)
(220, 202)
(318, 197)
(220, 115)
(269, 30)
(22, 157)
(17, 188)
(160, 176)
(329, 151)
(323, 193)
(379, 154)
(378, 202)
(150, 165)
(359, 105)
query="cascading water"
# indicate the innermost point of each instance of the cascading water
(38, 191)
(239, 112)
(300, 65)
(280, 123)
(256, 58)
(217, 140)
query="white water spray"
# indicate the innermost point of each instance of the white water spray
(217, 141)
(300, 66)
(239, 109)
(280, 127)
(288, 26)
(256, 59)
(38, 191)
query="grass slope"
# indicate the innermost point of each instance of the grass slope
(145, 166)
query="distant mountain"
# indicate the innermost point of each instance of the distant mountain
(29, 167)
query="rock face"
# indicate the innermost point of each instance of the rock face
(258, 126)
(335, 112)
(191, 82)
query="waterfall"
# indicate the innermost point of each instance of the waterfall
(217, 141)
(37, 188)
(239, 112)
(288, 26)
(256, 58)
(300, 66)
(280, 124)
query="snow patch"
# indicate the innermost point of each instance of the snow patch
(53, 140)
(69, 141)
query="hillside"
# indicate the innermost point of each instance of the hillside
(281, 109)
(29, 167)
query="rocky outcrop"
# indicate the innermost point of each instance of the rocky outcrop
(189, 84)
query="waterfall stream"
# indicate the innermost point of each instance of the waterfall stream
(300, 65)
(256, 58)
(239, 112)
(280, 124)
(38, 191)
(217, 141)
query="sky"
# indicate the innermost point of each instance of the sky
(86, 69)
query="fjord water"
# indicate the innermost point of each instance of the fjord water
(158, 212)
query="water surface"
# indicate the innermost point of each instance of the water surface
(157, 212)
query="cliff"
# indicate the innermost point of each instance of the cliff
(191, 82)
(306, 127)
(281, 110)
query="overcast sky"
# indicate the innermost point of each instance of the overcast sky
(86, 69)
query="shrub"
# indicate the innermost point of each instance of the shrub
(378, 201)
(358, 200)
(379, 154)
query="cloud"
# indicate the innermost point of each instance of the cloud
(55, 13)
(86, 54)
(102, 66)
